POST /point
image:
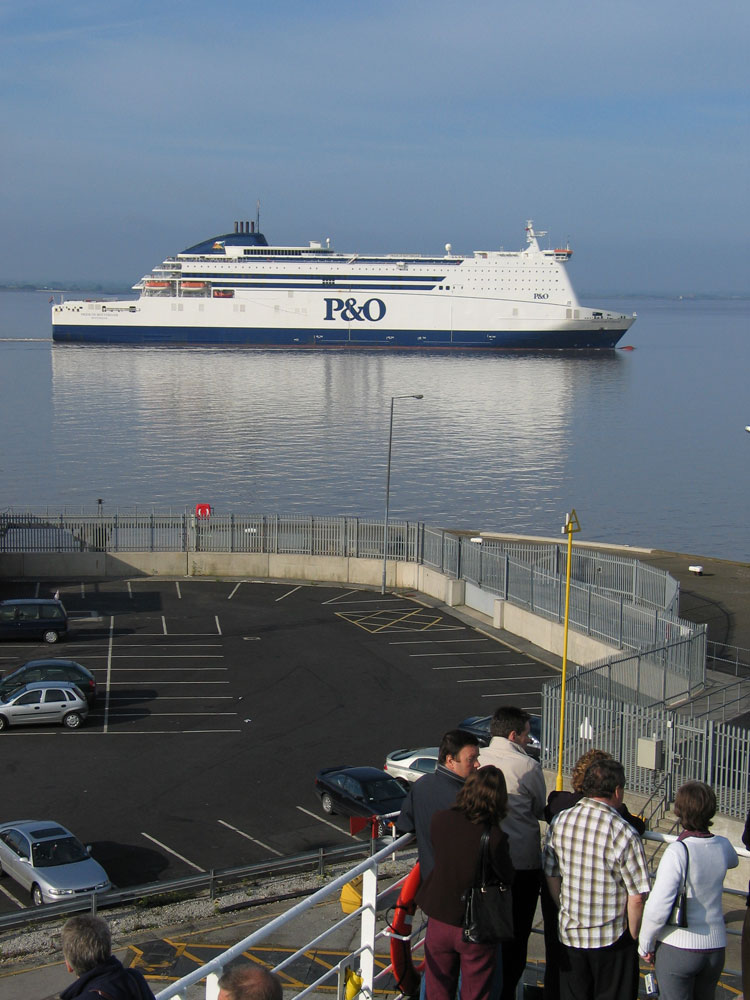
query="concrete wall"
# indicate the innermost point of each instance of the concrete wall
(548, 634)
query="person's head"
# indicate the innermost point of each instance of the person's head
(86, 943)
(604, 779)
(484, 797)
(512, 723)
(249, 982)
(459, 752)
(582, 765)
(695, 805)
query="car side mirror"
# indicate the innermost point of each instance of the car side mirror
(88, 848)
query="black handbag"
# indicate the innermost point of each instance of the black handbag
(488, 904)
(678, 916)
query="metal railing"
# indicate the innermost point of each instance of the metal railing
(361, 959)
(696, 749)
(190, 885)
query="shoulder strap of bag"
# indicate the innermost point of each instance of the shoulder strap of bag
(687, 866)
(482, 863)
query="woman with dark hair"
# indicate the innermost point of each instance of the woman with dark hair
(689, 960)
(456, 835)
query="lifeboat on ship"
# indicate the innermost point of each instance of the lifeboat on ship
(194, 286)
(223, 293)
(157, 284)
(563, 253)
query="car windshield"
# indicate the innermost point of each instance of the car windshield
(384, 790)
(63, 851)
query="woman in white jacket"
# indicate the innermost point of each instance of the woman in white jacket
(689, 960)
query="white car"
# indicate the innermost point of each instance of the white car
(48, 861)
(408, 765)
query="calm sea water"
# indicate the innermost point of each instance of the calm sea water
(649, 446)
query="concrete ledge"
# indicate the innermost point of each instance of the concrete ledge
(549, 635)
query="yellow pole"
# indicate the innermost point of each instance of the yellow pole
(571, 525)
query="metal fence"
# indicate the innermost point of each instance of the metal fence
(694, 748)
(614, 598)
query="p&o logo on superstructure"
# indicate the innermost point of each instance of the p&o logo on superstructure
(349, 311)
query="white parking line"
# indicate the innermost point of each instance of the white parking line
(179, 592)
(430, 642)
(130, 591)
(248, 837)
(181, 697)
(340, 597)
(109, 672)
(170, 851)
(484, 666)
(327, 822)
(171, 656)
(163, 715)
(165, 670)
(288, 594)
(218, 627)
(513, 677)
(11, 897)
(163, 683)
(164, 624)
(490, 652)
(516, 694)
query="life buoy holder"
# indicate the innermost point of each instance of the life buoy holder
(406, 974)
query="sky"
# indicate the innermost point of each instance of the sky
(131, 130)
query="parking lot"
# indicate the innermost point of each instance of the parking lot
(219, 701)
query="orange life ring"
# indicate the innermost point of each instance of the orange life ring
(406, 974)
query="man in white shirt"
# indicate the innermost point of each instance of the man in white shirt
(527, 795)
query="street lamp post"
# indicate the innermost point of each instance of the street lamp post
(388, 483)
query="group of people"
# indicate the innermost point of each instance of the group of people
(599, 908)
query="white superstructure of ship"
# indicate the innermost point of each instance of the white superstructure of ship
(236, 289)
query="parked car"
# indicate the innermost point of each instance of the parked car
(479, 726)
(43, 702)
(33, 618)
(408, 765)
(51, 670)
(48, 861)
(358, 791)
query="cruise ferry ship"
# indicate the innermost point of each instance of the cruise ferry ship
(238, 289)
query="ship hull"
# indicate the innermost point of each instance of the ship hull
(410, 340)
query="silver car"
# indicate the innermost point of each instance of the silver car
(43, 702)
(48, 861)
(408, 765)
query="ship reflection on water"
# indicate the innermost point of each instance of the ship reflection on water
(307, 432)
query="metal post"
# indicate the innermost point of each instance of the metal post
(388, 484)
(368, 928)
(571, 525)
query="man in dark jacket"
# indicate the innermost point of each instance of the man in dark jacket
(458, 756)
(87, 950)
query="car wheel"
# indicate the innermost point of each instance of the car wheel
(72, 720)
(36, 895)
(50, 636)
(3, 722)
(327, 802)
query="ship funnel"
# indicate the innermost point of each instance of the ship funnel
(236, 226)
